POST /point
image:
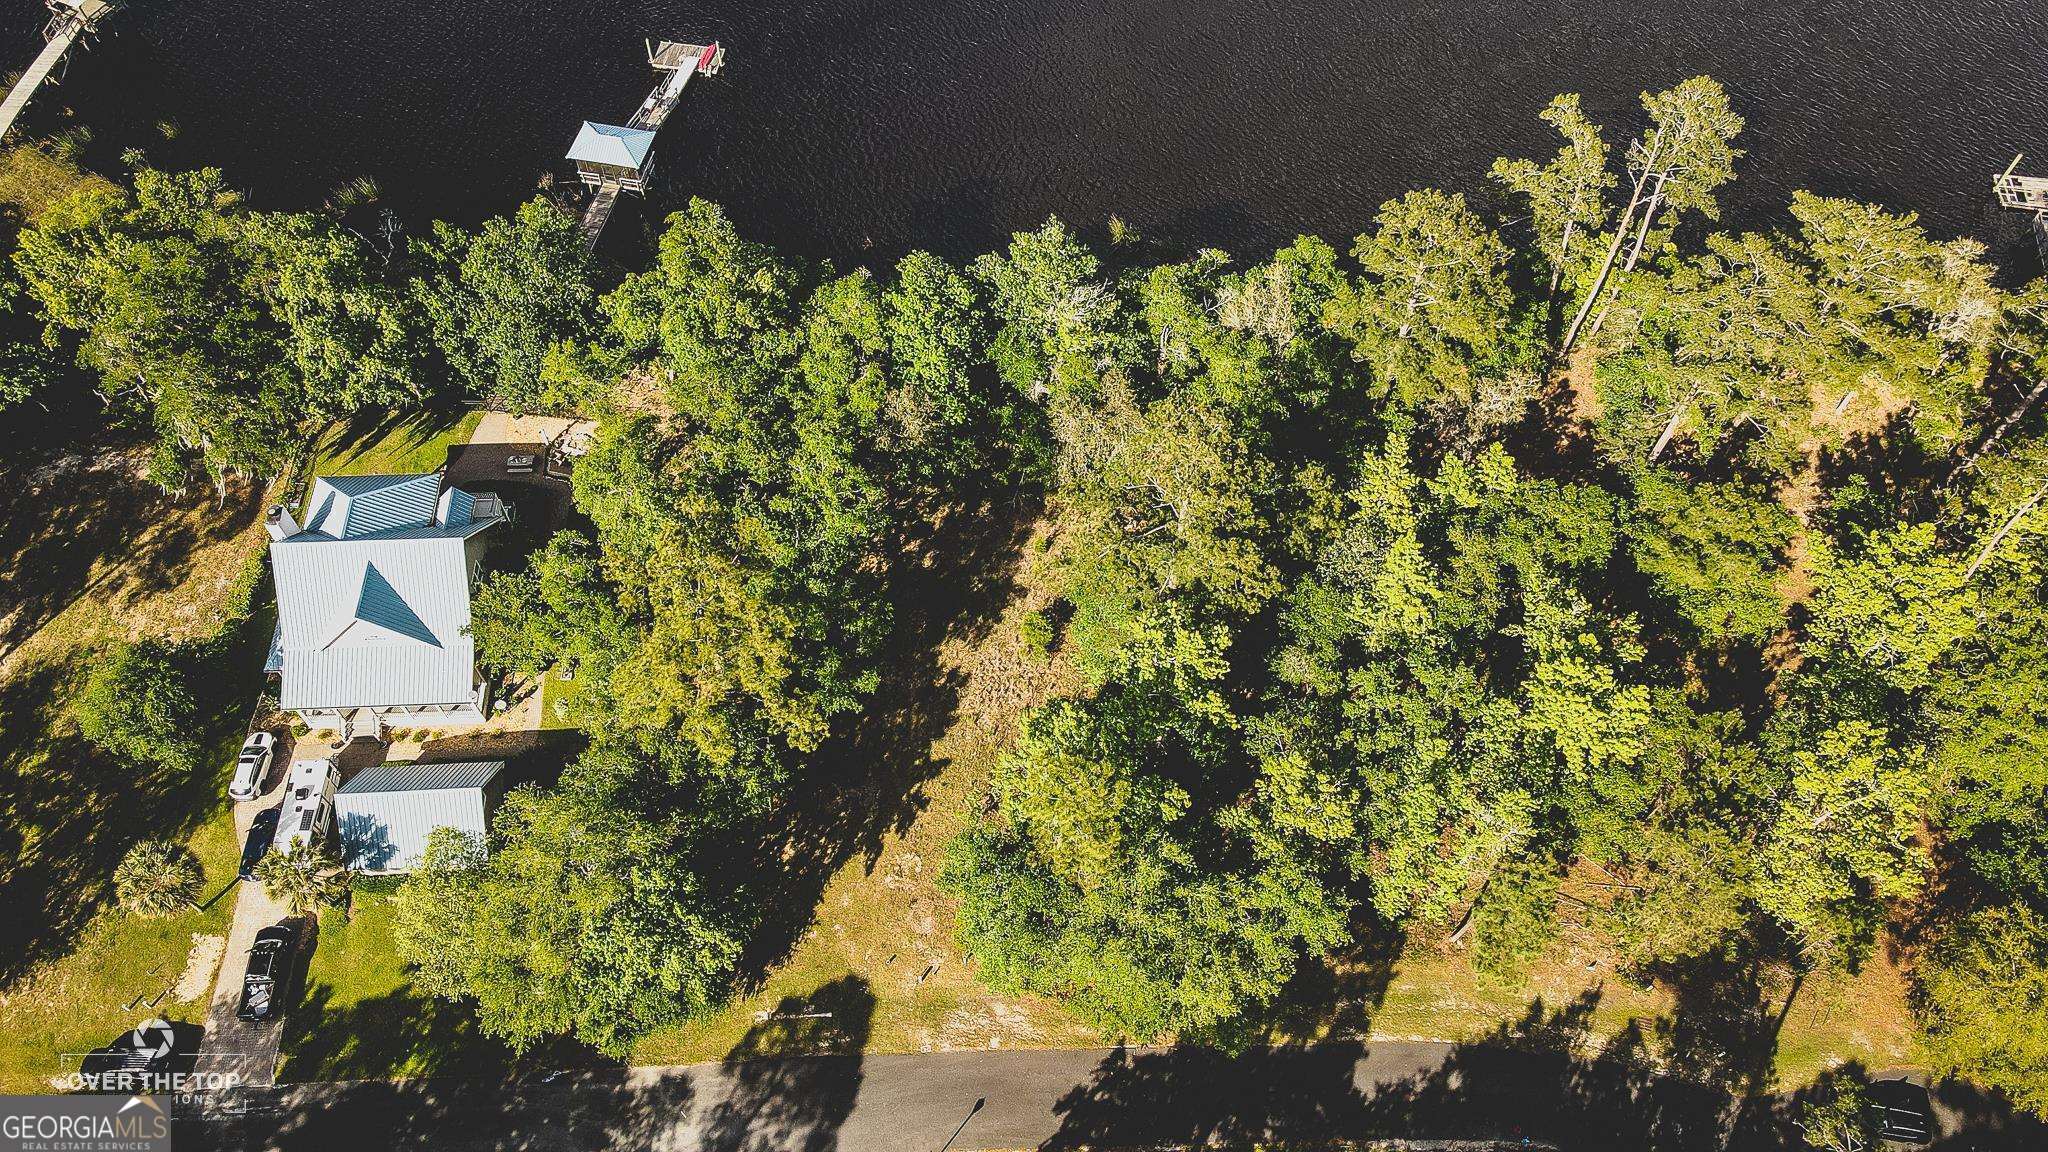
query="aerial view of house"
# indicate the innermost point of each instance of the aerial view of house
(373, 603)
(1065, 576)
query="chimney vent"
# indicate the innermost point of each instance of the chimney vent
(280, 523)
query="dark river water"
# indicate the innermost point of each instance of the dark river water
(862, 128)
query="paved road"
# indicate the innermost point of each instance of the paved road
(1055, 1100)
(883, 1103)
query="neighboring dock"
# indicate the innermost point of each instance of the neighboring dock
(2027, 194)
(70, 22)
(612, 158)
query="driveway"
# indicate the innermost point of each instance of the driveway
(232, 1045)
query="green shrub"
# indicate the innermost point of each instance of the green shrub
(138, 705)
(1036, 631)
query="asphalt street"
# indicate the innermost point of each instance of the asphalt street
(1552, 1095)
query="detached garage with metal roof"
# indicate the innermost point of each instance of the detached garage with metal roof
(385, 813)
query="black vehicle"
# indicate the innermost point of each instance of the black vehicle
(263, 983)
(262, 830)
(1902, 1111)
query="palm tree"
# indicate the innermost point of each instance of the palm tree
(304, 878)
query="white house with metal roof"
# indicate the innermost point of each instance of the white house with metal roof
(373, 603)
(385, 813)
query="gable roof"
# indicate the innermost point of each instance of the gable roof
(610, 144)
(386, 812)
(409, 777)
(373, 595)
(348, 506)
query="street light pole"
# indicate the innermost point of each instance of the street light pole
(963, 1123)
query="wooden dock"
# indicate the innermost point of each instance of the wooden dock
(598, 212)
(677, 62)
(2027, 194)
(70, 21)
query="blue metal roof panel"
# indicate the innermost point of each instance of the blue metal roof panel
(611, 144)
(388, 831)
(412, 776)
(349, 506)
(380, 604)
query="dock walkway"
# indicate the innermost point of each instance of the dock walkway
(679, 62)
(72, 19)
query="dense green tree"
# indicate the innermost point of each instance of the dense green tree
(1165, 503)
(1057, 319)
(557, 611)
(1843, 838)
(1686, 156)
(1567, 196)
(1515, 918)
(1434, 304)
(943, 420)
(1894, 601)
(1912, 318)
(507, 304)
(1983, 991)
(1715, 550)
(220, 328)
(138, 704)
(578, 921)
(742, 526)
(1104, 882)
(1418, 750)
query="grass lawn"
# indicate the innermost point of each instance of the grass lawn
(90, 553)
(394, 445)
(558, 701)
(33, 177)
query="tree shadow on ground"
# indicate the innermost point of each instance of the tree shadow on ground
(951, 578)
(1890, 459)
(424, 1036)
(69, 811)
(792, 1079)
(787, 1086)
(1689, 1081)
(598, 1108)
(88, 523)
(531, 757)
(373, 427)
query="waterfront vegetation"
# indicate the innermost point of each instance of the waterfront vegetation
(1551, 591)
